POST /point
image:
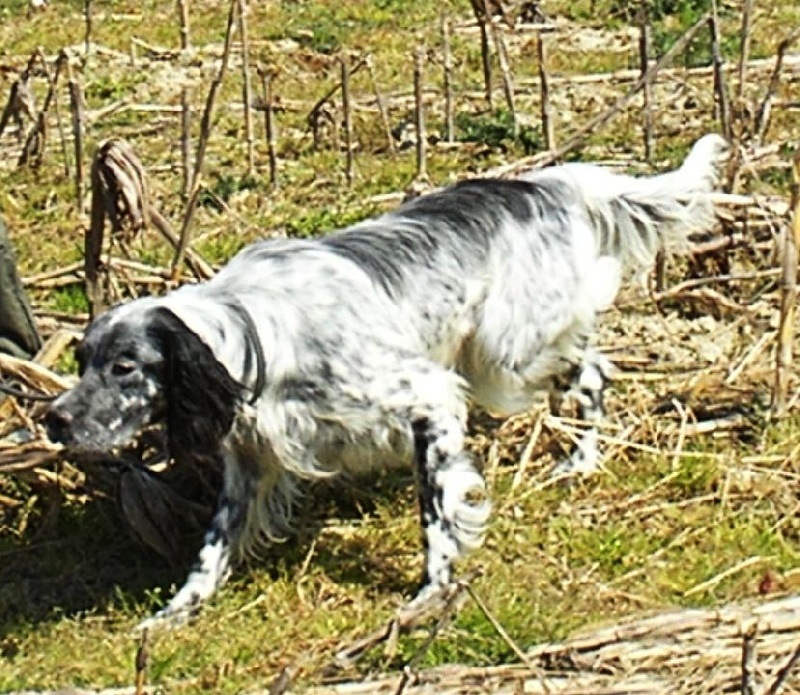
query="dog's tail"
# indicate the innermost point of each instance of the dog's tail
(634, 217)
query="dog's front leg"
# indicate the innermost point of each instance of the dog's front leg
(212, 567)
(452, 495)
(209, 572)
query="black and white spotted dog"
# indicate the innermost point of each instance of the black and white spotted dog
(302, 359)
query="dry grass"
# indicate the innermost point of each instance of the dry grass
(697, 506)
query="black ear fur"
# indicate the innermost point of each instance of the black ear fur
(202, 397)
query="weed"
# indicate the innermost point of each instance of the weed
(70, 300)
(106, 88)
(324, 221)
(225, 186)
(13, 8)
(496, 130)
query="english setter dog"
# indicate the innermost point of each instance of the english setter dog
(306, 358)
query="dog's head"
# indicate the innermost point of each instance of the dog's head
(140, 365)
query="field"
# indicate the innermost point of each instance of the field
(695, 517)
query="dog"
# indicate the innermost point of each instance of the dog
(304, 359)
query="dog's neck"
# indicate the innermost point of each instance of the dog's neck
(237, 346)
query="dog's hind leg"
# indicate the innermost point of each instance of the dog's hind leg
(587, 383)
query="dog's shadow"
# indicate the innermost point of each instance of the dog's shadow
(85, 559)
(343, 532)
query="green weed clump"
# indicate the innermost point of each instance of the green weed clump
(497, 130)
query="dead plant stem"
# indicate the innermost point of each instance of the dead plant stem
(599, 121)
(544, 90)
(267, 77)
(347, 119)
(784, 671)
(183, 19)
(744, 49)
(447, 63)
(765, 108)
(505, 73)
(78, 116)
(422, 142)
(482, 18)
(521, 655)
(749, 659)
(786, 320)
(444, 616)
(379, 101)
(205, 133)
(87, 18)
(721, 106)
(644, 61)
(247, 97)
(186, 142)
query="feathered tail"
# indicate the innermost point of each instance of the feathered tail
(637, 216)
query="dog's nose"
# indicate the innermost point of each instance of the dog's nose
(57, 423)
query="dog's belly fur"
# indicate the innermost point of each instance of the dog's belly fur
(505, 391)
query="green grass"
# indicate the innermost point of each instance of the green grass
(70, 300)
(554, 561)
(652, 532)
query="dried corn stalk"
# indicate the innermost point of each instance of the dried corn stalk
(783, 364)
(119, 193)
(20, 105)
(693, 651)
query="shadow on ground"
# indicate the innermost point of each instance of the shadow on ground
(83, 558)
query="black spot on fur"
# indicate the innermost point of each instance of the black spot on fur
(305, 390)
(469, 213)
(430, 494)
(426, 491)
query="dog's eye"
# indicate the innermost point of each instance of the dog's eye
(122, 368)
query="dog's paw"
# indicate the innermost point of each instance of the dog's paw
(576, 465)
(164, 620)
(431, 600)
(430, 593)
(585, 460)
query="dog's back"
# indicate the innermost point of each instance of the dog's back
(500, 279)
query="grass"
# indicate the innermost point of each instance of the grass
(655, 530)
(553, 562)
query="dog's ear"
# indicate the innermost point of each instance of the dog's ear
(202, 397)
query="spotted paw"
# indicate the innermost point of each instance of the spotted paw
(585, 460)
(164, 620)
